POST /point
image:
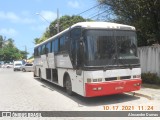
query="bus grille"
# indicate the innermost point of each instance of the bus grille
(117, 78)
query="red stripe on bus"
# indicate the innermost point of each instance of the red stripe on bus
(112, 87)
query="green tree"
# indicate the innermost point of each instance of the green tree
(64, 21)
(143, 14)
(8, 51)
(36, 40)
(2, 41)
(11, 53)
(24, 54)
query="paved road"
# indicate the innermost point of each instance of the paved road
(19, 91)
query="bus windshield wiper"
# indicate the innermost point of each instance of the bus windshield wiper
(110, 61)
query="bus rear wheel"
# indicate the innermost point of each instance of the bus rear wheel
(40, 75)
(69, 86)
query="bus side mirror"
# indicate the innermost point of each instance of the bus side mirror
(81, 43)
(81, 48)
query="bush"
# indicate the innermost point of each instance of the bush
(151, 78)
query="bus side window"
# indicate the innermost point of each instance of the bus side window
(53, 43)
(43, 49)
(36, 52)
(67, 42)
(39, 51)
(62, 44)
(56, 46)
(48, 47)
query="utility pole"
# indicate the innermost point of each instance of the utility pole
(57, 21)
(57, 25)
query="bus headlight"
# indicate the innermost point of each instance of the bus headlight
(99, 79)
(88, 80)
(94, 80)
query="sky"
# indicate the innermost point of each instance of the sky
(19, 21)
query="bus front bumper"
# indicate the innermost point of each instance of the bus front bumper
(112, 87)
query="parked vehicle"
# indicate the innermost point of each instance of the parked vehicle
(27, 67)
(1, 64)
(17, 65)
(9, 66)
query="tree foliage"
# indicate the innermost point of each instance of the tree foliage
(143, 14)
(64, 22)
(8, 51)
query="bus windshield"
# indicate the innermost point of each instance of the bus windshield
(110, 48)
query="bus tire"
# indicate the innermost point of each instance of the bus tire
(34, 75)
(68, 86)
(40, 75)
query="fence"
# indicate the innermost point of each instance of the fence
(150, 59)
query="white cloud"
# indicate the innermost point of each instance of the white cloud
(48, 15)
(40, 28)
(28, 21)
(8, 32)
(9, 15)
(73, 4)
(12, 17)
(26, 13)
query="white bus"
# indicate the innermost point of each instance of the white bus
(91, 59)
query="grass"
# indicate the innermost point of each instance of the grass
(146, 85)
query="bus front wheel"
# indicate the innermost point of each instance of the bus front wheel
(40, 75)
(69, 86)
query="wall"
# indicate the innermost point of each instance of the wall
(150, 59)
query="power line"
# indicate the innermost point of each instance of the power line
(98, 14)
(76, 15)
(89, 9)
(83, 12)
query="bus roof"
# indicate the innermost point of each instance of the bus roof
(104, 25)
(94, 25)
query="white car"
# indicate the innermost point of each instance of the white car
(27, 67)
(17, 66)
(9, 66)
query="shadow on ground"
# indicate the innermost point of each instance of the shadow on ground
(94, 101)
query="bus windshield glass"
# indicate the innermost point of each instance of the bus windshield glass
(110, 48)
